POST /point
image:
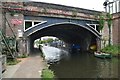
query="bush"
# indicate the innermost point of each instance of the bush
(47, 74)
(23, 56)
(113, 49)
(12, 61)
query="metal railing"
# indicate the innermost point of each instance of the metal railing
(2, 65)
(6, 44)
(112, 6)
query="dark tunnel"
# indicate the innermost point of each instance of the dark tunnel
(69, 33)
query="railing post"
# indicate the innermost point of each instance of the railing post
(0, 67)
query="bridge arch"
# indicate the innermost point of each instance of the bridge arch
(69, 32)
(69, 23)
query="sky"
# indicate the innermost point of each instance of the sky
(86, 4)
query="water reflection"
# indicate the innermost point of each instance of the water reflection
(107, 68)
(80, 65)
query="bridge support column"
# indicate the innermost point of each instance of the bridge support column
(98, 44)
(21, 46)
(86, 42)
(28, 46)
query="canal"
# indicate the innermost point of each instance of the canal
(80, 64)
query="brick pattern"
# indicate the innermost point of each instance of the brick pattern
(14, 27)
(116, 29)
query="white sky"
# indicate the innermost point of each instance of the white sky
(87, 4)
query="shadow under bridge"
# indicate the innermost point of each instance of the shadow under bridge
(68, 32)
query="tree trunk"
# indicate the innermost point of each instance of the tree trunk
(109, 35)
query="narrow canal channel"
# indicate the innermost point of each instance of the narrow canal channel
(80, 64)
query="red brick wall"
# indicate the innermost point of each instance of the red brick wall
(14, 27)
(116, 28)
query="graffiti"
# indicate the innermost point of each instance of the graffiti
(16, 21)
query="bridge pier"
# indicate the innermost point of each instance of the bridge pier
(30, 45)
(21, 46)
(98, 40)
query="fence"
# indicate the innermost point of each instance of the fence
(0, 67)
(2, 64)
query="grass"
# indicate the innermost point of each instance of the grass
(47, 74)
(12, 61)
(113, 49)
(23, 56)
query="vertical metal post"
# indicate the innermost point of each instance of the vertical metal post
(112, 7)
(0, 67)
(109, 7)
(119, 6)
(105, 8)
(109, 28)
(115, 6)
(28, 45)
(0, 45)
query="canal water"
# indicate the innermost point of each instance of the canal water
(80, 64)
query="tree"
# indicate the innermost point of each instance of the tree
(101, 22)
(109, 22)
(49, 40)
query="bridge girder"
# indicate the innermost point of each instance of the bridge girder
(69, 30)
(53, 21)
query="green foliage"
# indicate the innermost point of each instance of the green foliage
(12, 13)
(8, 45)
(47, 74)
(49, 40)
(109, 19)
(44, 10)
(101, 22)
(113, 49)
(42, 42)
(12, 61)
(5, 51)
(23, 56)
(46, 41)
(74, 13)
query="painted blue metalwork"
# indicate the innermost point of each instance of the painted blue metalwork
(56, 21)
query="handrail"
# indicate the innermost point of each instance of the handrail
(10, 27)
(5, 42)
